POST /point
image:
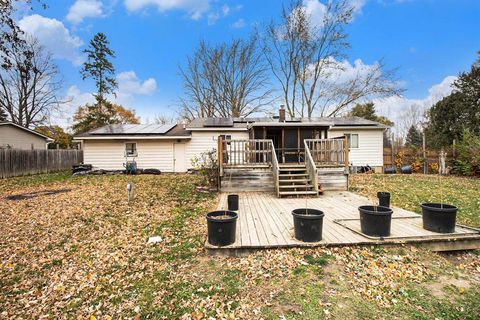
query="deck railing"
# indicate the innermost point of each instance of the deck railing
(311, 167)
(275, 169)
(238, 153)
(328, 152)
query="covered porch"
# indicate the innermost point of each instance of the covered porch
(291, 161)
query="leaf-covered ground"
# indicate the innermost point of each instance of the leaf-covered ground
(410, 190)
(81, 252)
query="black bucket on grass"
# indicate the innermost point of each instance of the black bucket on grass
(232, 200)
(383, 199)
(390, 170)
(406, 169)
(439, 217)
(222, 227)
(308, 224)
(375, 221)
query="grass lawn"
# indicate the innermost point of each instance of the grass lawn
(409, 191)
(82, 253)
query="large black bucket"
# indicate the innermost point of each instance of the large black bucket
(439, 217)
(383, 199)
(308, 224)
(232, 200)
(406, 169)
(390, 170)
(375, 221)
(222, 226)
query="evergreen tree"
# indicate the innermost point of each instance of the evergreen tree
(457, 112)
(99, 68)
(414, 137)
(367, 111)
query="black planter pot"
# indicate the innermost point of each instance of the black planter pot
(439, 217)
(232, 200)
(383, 199)
(308, 224)
(221, 232)
(375, 221)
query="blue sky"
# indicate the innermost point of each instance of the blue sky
(429, 41)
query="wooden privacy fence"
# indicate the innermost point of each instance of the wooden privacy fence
(16, 162)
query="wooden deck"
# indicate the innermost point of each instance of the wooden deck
(265, 221)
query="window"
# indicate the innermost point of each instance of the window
(131, 149)
(227, 138)
(352, 140)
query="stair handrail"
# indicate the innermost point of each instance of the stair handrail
(275, 168)
(311, 167)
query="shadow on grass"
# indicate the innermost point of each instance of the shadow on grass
(30, 195)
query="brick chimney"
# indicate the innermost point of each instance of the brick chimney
(281, 114)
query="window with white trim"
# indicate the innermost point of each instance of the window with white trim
(131, 149)
(352, 139)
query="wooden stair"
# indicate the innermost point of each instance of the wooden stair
(293, 180)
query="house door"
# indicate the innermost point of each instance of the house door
(179, 157)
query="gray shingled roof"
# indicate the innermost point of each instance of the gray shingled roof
(269, 121)
(176, 130)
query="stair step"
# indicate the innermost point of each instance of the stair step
(295, 193)
(294, 180)
(281, 175)
(293, 169)
(298, 186)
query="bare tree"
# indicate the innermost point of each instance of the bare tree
(30, 85)
(226, 80)
(164, 119)
(308, 60)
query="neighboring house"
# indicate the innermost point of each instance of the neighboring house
(17, 137)
(170, 147)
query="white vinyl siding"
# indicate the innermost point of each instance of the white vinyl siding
(370, 146)
(20, 139)
(207, 140)
(109, 155)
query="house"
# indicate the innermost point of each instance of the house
(17, 137)
(247, 148)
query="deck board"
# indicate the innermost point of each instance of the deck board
(265, 221)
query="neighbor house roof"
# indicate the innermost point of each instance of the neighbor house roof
(7, 123)
(137, 131)
(245, 123)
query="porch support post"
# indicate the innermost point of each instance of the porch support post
(220, 156)
(346, 150)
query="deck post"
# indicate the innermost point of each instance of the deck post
(220, 156)
(346, 151)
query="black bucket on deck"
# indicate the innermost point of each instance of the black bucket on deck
(221, 231)
(232, 202)
(375, 221)
(383, 199)
(439, 217)
(308, 224)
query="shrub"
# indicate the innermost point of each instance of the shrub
(207, 165)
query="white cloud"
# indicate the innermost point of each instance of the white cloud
(195, 8)
(398, 108)
(129, 86)
(82, 9)
(240, 23)
(317, 9)
(54, 36)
